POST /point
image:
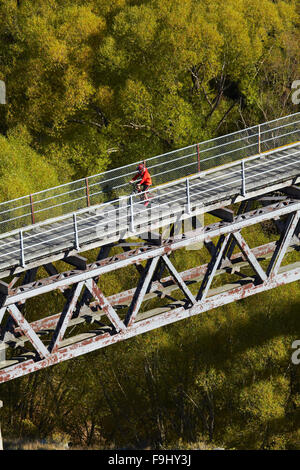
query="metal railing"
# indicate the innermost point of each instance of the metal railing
(97, 189)
(126, 214)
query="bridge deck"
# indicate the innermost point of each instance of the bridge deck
(109, 222)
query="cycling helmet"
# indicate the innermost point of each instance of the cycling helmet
(141, 168)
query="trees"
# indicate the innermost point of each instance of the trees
(96, 84)
(101, 83)
(22, 170)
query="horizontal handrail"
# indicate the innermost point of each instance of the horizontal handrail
(73, 229)
(37, 209)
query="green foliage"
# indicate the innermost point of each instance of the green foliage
(143, 77)
(22, 170)
(97, 84)
(29, 430)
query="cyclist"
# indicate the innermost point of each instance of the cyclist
(145, 181)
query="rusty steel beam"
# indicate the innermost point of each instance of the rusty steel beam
(126, 247)
(64, 318)
(283, 243)
(212, 267)
(244, 207)
(136, 322)
(28, 331)
(86, 297)
(141, 291)
(157, 287)
(96, 341)
(105, 305)
(250, 256)
(178, 279)
(140, 254)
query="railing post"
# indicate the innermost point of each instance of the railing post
(188, 198)
(22, 255)
(243, 179)
(131, 214)
(75, 232)
(198, 158)
(87, 191)
(259, 140)
(32, 209)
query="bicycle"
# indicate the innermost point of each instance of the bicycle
(143, 195)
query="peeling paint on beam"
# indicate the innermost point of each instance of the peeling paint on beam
(125, 259)
(288, 274)
(264, 252)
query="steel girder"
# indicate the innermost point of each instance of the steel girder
(119, 316)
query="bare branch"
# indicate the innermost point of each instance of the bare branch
(225, 115)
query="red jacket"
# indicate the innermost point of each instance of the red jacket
(146, 178)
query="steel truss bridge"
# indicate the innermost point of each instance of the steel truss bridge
(244, 179)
